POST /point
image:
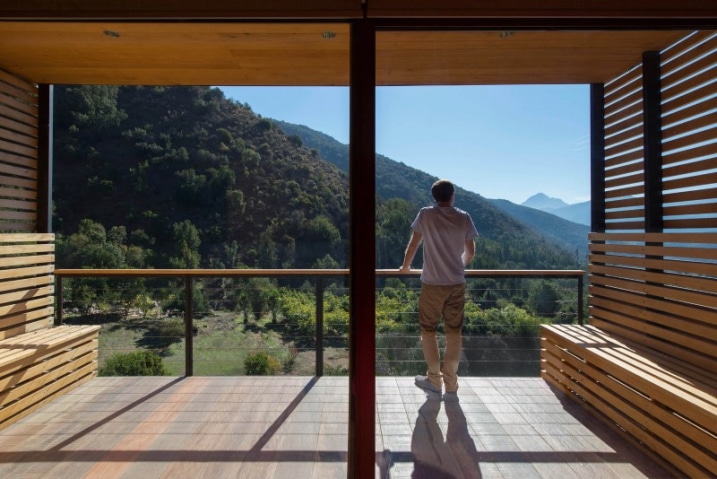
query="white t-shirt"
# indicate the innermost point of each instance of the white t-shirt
(445, 230)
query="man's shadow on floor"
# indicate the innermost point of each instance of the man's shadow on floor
(436, 457)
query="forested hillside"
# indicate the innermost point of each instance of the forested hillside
(184, 177)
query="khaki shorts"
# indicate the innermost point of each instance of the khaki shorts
(438, 301)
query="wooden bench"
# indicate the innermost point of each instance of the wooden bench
(667, 408)
(38, 361)
(647, 363)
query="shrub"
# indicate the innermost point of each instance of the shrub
(136, 363)
(261, 364)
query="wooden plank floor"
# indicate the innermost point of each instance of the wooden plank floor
(296, 427)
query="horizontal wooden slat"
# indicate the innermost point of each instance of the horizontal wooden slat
(10, 147)
(618, 107)
(13, 215)
(25, 322)
(21, 118)
(20, 87)
(701, 209)
(694, 167)
(40, 382)
(681, 331)
(693, 283)
(16, 127)
(685, 267)
(677, 114)
(709, 133)
(624, 180)
(702, 79)
(630, 157)
(632, 202)
(16, 226)
(698, 94)
(18, 298)
(19, 139)
(688, 66)
(625, 225)
(624, 83)
(690, 181)
(687, 224)
(6, 262)
(624, 214)
(26, 238)
(18, 193)
(691, 195)
(18, 100)
(625, 192)
(699, 253)
(18, 204)
(679, 53)
(630, 133)
(24, 249)
(630, 115)
(703, 238)
(17, 165)
(25, 284)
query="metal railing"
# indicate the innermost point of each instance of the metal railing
(319, 275)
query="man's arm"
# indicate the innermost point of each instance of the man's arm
(411, 251)
(469, 251)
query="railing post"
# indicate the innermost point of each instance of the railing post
(319, 326)
(58, 307)
(580, 300)
(188, 327)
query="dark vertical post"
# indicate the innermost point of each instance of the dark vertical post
(362, 251)
(652, 124)
(44, 166)
(59, 298)
(188, 327)
(581, 307)
(597, 157)
(319, 326)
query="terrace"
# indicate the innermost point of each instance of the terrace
(646, 362)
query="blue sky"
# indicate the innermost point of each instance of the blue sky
(507, 141)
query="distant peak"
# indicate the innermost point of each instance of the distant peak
(541, 201)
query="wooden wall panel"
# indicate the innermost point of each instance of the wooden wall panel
(18, 154)
(690, 134)
(27, 291)
(624, 179)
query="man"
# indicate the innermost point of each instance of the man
(448, 236)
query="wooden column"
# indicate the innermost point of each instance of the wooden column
(652, 123)
(597, 157)
(44, 153)
(362, 254)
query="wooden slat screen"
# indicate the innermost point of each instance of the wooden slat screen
(659, 290)
(689, 77)
(624, 179)
(27, 263)
(18, 154)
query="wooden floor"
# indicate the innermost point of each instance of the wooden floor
(296, 427)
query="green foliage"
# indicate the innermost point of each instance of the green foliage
(261, 364)
(136, 363)
(507, 320)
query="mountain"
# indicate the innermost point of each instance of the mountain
(571, 235)
(541, 201)
(577, 212)
(494, 218)
(182, 177)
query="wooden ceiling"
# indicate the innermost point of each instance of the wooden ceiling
(230, 53)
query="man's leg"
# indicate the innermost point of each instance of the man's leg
(453, 316)
(430, 304)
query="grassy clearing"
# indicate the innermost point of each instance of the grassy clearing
(221, 342)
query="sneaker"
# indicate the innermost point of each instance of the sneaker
(450, 396)
(423, 383)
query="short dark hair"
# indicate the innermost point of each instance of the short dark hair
(442, 190)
